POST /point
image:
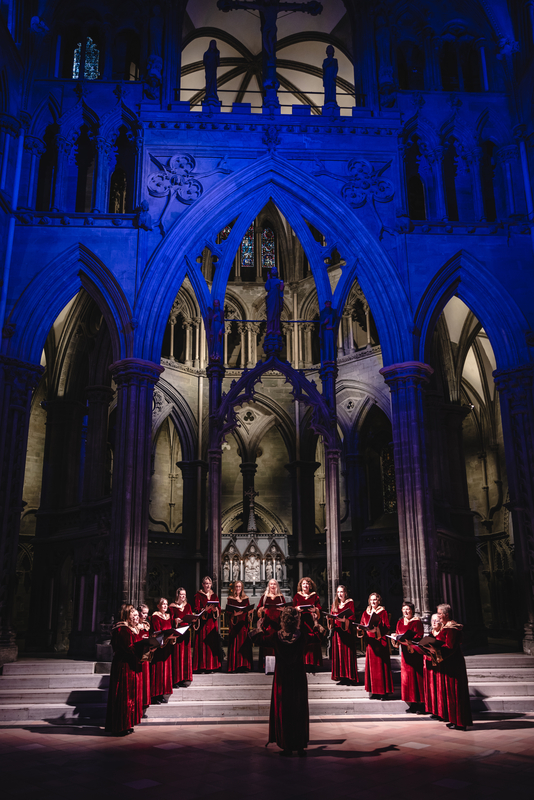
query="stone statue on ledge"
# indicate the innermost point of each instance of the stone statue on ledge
(330, 68)
(328, 322)
(215, 330)
(212, 60)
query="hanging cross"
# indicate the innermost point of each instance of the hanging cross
(269, 10)
(251, 494)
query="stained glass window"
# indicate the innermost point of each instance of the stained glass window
(225, 233)
(247, 249)
(92, 60)
(268, 249)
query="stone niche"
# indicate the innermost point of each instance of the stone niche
(254, 558)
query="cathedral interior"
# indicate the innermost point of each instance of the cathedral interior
(150, 177)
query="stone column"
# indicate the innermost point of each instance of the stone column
(436, 158)
(478, 202)
(227, 332)
(193, 505)
(303, 502)
(506, 156)
(17, 382)
(59, 198)
(254, 331)
(355, 465)
(431, 47)
(286, 330)
(515, 388)
(98, 400)
(215, 373)
(102, 176)
(135, 381)
(407, 383)
(172, 323)
(196, 359)
(36, 148)
(243, 355)
(248, 328)
(308, 350)
(188, 324)
(61, 463)
(480, 43)
(248, 471)
(333, 537)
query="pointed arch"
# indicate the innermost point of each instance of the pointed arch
(50, 291)
(299, 197)
(179, 412)
(486, 297)
(490, 126)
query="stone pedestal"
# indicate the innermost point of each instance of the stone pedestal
(515, 388)
(135, 381)
(417, 535)
(17, 382)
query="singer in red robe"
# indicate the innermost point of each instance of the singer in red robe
(269, 610)
(412, 681)
(378, 678)
(239, 644)
(161, 666)
(182, 660)
(207, 641)
(453, 690)
(309, 621)
(144, 628)
(343, 643)
(430, 675)
(289, 719)
(125, 695)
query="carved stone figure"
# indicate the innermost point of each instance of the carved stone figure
(235, 570)
(215, 331)
(330, 68)
(252, 568)
(143, 219)
(274, 303)
(212, 59)
(279, 572)
(226, 572)
(154, 78)
(328, 332)
(268, 569)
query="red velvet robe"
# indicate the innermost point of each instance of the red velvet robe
(239, 644)
(125, 695)
(343, 646)
(144, 628)
(430, 677)
(182, 660)
(271, 621)
(207, 641)
(378, 679)
(312, 639)
(289, 717)
(161, 666)
(412, 682)
(452, 687)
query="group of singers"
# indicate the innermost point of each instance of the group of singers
(145, 670)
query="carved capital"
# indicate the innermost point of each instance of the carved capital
(413, 373)
(34, 146)
(135, 370)
(99, 395)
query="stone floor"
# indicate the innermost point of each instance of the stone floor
(399, 757)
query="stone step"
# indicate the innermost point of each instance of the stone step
(51, 681)
(198, 694)
(49, 666)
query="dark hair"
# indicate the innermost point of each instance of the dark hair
(313, 588)
(180, 589)
(289, 619)
(142, 605)
(410, 605)
(126, 609)
(335, 604)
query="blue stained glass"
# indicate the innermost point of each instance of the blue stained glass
(268, 249)
(225, 233)
(92, 59)
(247, 248)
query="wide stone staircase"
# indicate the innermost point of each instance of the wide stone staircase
(63, 690)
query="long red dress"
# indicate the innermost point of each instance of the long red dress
(452, 687)
(161, 666)
(207, 641)
(144, 628)
(430, 677)
(412, 681)
(313, 655)
(378, 679)
(271, 622)
(182, 660)
(125, 695)
(343, 645)
(289, 717)
(239, 644)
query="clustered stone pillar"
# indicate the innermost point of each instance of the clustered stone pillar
(17, 382)
(135, 381)
(328, 375)
(215, 373)
(515, 388)
(407, 383)
(98, 400)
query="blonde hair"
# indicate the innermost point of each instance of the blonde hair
(180, 589)
(126, 609)
(272, 580)
(161, 599)
(335, 604)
